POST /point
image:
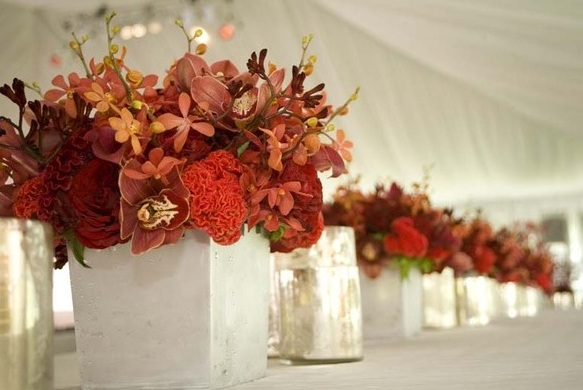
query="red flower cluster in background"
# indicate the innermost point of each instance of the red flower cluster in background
(391, 224)
(109, 157)
(522, 256)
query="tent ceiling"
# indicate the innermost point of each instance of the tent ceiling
(488, 94)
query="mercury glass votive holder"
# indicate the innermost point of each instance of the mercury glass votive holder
(320, 318)
(26, 314)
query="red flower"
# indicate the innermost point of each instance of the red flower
(307, 208)
(217, 200)
(26, 198)
(484, 259)
(405, 240)
(94, 196)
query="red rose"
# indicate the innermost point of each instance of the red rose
(484, 259)
(94, 196)
(405, 240)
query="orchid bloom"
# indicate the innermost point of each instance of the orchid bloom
(64, 90)
(103, 100)
(152, 213)
(185, 123)
(275, 146)
(280, 196)
(342, 145)
(158, 166)
(127, 128)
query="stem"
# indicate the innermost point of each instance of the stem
(113, 60)
(79, 52)
(342, 107)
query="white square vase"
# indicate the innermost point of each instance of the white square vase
(513, 299)
(391, 307)
(439, 300)
(192, 315)
(476, 302)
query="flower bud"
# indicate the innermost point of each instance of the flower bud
(197, 33)
(157, 127)
(134, 78)
(115, 30)
(74, 45)
(312, 122)
(308, 68)
(312, 143)
(84, 38)
(114, 48)
(312, 59)
(201, 48)
(343, 111)
(137, 104)
(178, 22)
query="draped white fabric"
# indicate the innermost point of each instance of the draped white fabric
(489, 95)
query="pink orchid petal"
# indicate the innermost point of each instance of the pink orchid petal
(180, 140)
(204, 128)
(188, 67)
(128, 219)
(286, 203)
(184, 104)
(226, 68)
(155, 156)
(145, 240)
(136, 175)
(277, 78)
(54, 95)
(170, 121)
(208, 89)
(134, 191)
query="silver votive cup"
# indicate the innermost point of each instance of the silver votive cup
(320, 318)
(26, 318)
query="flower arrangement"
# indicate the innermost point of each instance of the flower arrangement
(523, 257)
(392, 225)
(477, 238)
(109, 157)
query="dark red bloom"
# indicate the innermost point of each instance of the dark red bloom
(94, 195)
(307, 208)
(405, 240)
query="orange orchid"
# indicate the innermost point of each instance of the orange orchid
(127, 128)
(102, 100)
(158, 166)
(275, 146)
(342, 145)
(185, 123)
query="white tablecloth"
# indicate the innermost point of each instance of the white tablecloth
(544, 352)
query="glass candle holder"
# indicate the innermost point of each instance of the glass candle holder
(26, 314)
(320, 318)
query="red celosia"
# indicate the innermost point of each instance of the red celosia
(26, 198)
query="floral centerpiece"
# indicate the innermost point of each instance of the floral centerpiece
(110, 156)
(523, 257)
(477, 238)
(392, 225)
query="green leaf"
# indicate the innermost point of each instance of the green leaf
(242, 148)
(276, 235)
(77, 248)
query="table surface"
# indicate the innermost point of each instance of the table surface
(542, 352)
